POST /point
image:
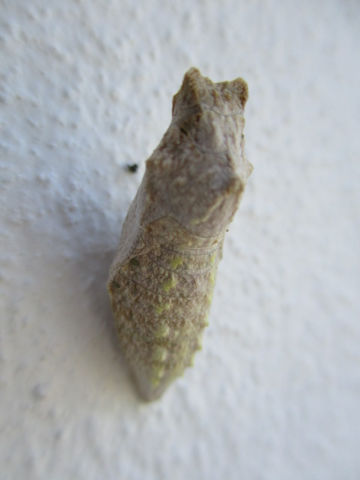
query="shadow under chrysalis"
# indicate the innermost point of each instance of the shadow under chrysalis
(162, 279)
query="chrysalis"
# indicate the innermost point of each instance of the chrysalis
(162, 279)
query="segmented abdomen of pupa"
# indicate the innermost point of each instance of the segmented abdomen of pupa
(161, 301)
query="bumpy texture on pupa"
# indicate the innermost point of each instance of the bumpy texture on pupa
(162, 279)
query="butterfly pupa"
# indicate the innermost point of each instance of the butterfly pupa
(162, 278)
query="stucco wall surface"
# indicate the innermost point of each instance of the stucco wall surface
(86, 88)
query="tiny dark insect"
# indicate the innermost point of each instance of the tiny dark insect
(133, 167)
(162, 278)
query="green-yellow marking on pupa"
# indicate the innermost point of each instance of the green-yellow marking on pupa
(213, 258)
(162, 331)
(162, 307)
(169, 284)
(176, 262)
(157, 372)
(159, 354)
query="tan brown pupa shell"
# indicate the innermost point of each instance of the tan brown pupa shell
(162, 279)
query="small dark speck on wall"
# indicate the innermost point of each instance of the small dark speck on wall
(133, 167)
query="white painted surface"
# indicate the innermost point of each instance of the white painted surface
(86, 88)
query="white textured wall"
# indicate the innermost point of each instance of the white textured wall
(85, 88)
